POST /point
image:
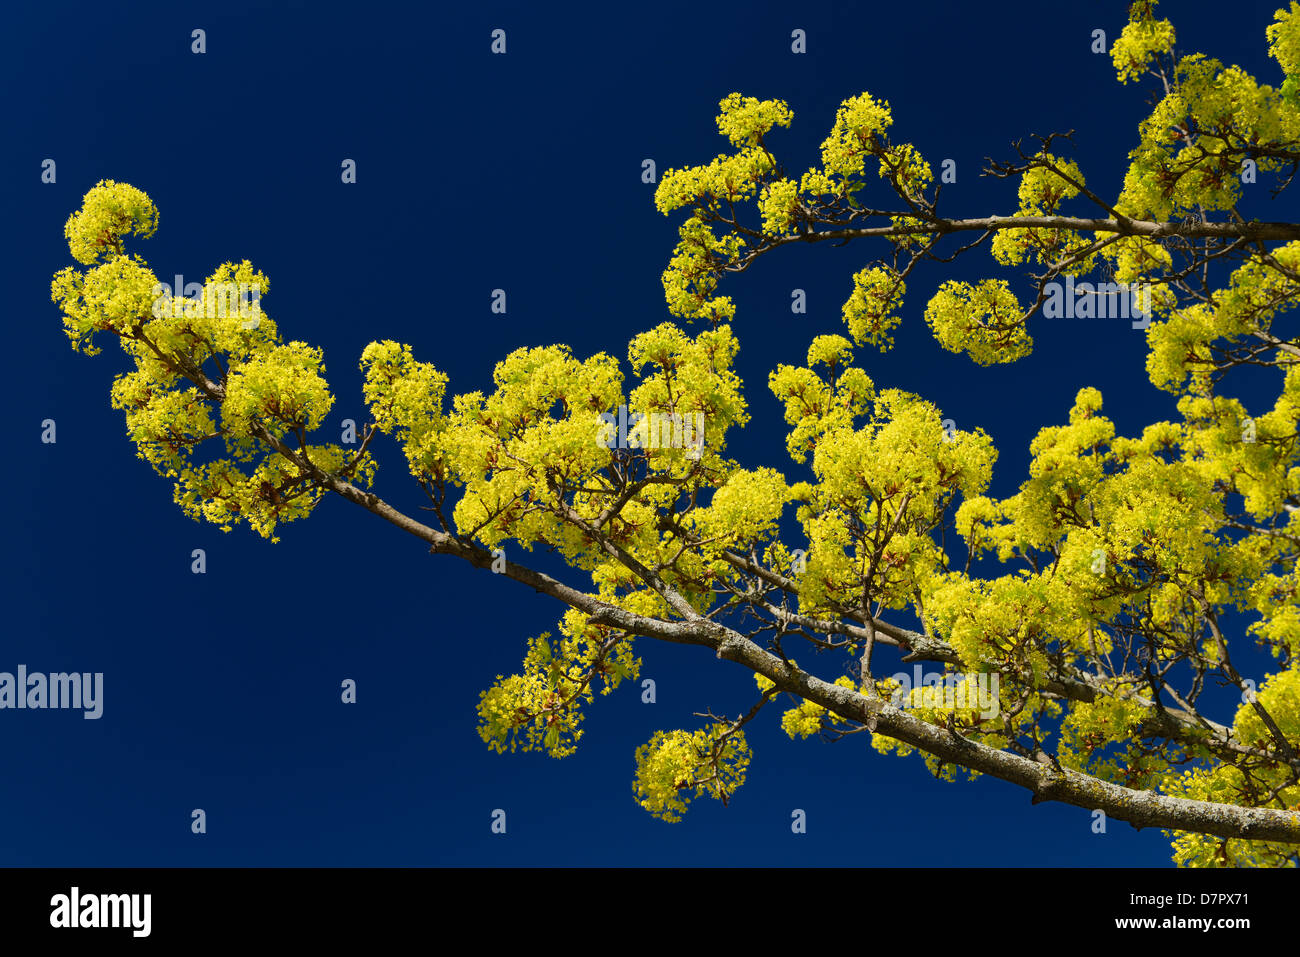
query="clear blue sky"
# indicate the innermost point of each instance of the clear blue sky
(477, 172)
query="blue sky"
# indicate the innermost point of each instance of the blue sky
(478, 172)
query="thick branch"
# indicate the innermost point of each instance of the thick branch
(1139, 808)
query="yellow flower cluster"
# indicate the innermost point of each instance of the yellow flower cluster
(1280, 696)
(872, 311)
(540, 708)
(675, 766)
(1142, 40)
(205, 374)
(405, 398)
(984, 321)
(110, 211)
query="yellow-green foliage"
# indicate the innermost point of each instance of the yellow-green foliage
(1193, 142)
(984, 321)
(1280, 695)
(1142, 40)
(675, 766)
(1118, 560)
(111, 211)
(205, 375)
(540, 707)
(405, 398)
(1042, 190)
(807, 717)
(1284, 46)
(872, 311)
